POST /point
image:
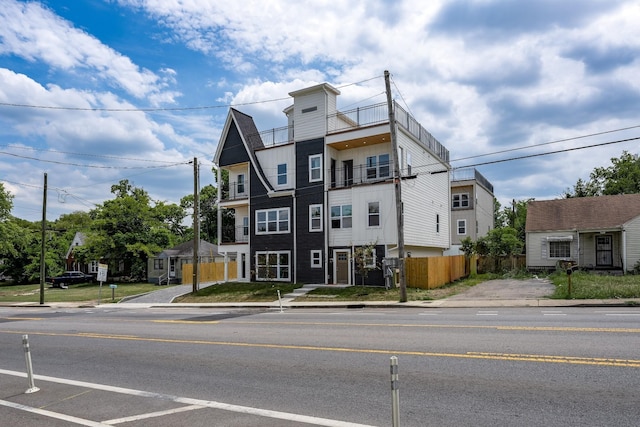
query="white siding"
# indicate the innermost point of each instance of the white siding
(484, 210)
(632, 240)
(425, 198)
(312, 123)
(270, 159)
(538, 248)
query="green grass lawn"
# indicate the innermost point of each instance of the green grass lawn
(239, 292)
(593, 286)
(88, 292)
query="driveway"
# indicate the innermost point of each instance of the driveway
(507, 289)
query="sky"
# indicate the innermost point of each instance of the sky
(533, 93)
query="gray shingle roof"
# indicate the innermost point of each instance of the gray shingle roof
(582, 213)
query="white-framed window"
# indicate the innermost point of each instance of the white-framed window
(316, 259)
(437, 223)
(341, 216)
(378, 166)
(158, 264)
(460, 200)
(93, 266)
(273, 265)
(282, 174)
(245, 225)
(373, 210)
(409, 162)
(315, 218)
(370, 258)
(560, 249)
(462, 227)
(274, 221)
(315, 168)
(241, 184)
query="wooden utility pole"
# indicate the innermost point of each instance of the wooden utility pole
(43, 269)
(196, 224)
(398, 192)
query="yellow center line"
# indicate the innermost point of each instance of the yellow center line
(571, 360)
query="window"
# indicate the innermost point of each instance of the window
(437, 223)
(282, 174)
(158, 264)
(272, 221)
(374, 214)
(316, 259)
(378, 166)
(561, 249)
(462, 226)
(240, 184)
(315, 168)
(341, 216)
(460, 200)
(245, 225)
(409, 163)
(370, 258)
(273, 265)
(315, 218)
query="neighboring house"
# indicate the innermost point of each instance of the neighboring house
(472, 205)
(306, 195)
(71, 264)
(593, 232)
(166, 267)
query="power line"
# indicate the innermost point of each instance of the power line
(94, 166)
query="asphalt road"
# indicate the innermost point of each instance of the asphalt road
(239, 367)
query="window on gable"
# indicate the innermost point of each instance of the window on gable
(282, 174)
(378, 166)
(315, 218)
(462, 226)
(272, 221)
(315, 168)
(374, 214)
(341, 216)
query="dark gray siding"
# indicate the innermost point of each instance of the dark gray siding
(308, 194)
(233, 150)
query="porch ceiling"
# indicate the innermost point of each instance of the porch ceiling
(360, 142)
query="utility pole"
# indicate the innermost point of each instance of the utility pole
(196, 224)
(398, 192)
(42, 247)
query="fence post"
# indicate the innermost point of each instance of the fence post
(395, 399)
(27, 355)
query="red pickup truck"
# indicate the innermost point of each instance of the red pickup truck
(70, 278)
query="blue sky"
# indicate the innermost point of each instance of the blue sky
(96, 91)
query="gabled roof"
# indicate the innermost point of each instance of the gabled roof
(186, 250)
(582, 213)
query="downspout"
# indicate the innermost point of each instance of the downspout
(624, 251)
(295, 238)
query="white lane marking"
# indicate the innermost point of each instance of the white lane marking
(430, 313)
(52, 414)
(152, 415)
(188, 401)
(553, 313)
(487, 313)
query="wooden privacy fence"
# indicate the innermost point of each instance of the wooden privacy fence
(209, 272)
(434, 272)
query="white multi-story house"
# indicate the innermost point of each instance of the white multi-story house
(472, 206)
(306, 195)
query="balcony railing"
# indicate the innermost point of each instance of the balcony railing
(467, 174)
(353, 119)
(359, 174)
(234, 191)
(232, 234)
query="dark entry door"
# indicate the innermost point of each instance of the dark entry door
(604, 251)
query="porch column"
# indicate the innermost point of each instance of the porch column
(226, 267)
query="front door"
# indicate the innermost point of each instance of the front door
(342, 267)
(604, 251)
(172, 268)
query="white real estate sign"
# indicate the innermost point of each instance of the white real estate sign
(102, 272)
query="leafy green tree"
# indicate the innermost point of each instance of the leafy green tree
(363, 257)
(622, 177)
(129, 229)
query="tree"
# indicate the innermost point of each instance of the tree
(364, 260)
(622, 177)
(129, 229)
